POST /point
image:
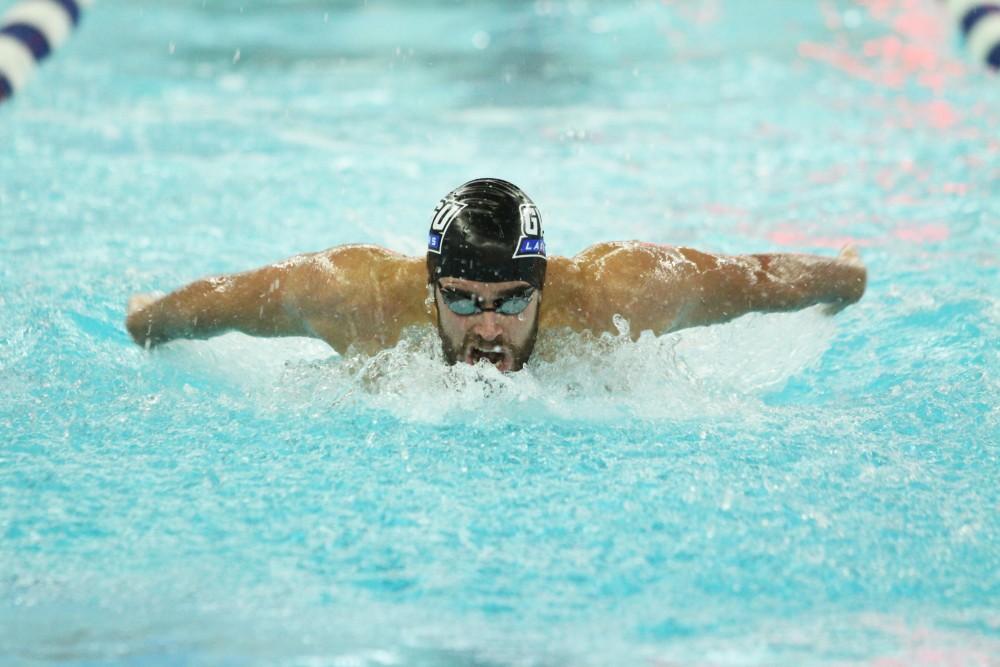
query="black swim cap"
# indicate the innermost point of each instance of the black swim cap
(489, 231)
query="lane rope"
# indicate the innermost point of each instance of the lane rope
(979, 23)
(29, 32)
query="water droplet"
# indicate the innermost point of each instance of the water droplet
(621, 324)
(481, 39)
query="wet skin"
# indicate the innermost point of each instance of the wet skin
(506, 341)
(359, 299)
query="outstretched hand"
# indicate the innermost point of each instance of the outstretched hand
(849, 254)
(137, 302)
(137, 324)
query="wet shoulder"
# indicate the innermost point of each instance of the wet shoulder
(360, 295)
(355, 265)
(565, 298)
(629, 257)
(370, 259)
(638, 280)
(372, 277)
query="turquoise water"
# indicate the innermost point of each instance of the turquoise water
(782, 490)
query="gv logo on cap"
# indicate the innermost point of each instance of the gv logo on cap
(446, 211)
(531, 243)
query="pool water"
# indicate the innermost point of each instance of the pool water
(788, 489)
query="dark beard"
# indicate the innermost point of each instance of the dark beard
(520, 354)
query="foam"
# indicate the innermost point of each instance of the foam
(719, 370)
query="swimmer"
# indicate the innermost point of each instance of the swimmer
(488, 286)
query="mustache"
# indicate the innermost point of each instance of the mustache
(480, 342)
(455, 349)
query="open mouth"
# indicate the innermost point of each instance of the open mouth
(496, 355)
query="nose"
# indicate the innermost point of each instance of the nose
(487, 325)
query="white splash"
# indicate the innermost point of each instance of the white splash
(705, 371)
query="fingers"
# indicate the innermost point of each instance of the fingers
(850, 253)
(849, 256)
(139, 301)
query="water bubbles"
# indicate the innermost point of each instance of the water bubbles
(599, 25)
(726, 503)
(481, 39)
(573, 376)
(544, 7)
(621, 324)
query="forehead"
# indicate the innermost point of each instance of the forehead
(483, 288)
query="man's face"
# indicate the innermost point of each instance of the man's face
(505, 341)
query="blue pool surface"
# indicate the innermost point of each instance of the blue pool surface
(788, 489)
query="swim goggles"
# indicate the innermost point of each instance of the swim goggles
(465, 304)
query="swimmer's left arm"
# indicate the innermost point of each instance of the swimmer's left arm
(723, 288)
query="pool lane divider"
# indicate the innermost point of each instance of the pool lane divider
(979, 23)
(29, 32)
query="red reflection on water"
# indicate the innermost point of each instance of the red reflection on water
(699, 13)
(912, 232)
(940, 114)
(795, 237)
(918, 646)
(915, 49)
(955, 188)
(833, 174)
(906, 170)
(722, 210)
(930, 233)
